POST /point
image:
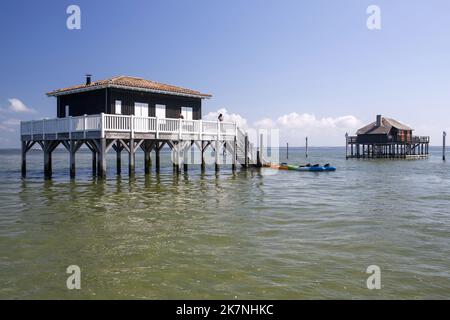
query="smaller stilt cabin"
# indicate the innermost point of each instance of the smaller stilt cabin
(386, 138)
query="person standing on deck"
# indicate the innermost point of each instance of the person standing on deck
(220, 118)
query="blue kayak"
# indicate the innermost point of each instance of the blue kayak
(314, 168)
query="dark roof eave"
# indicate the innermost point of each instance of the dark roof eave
(103, 86)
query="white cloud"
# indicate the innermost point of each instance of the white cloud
(228, 117)
(265, 123)
(11, 122)
(10, 125)
(308, 121)
(294, 127)
(327, 131)
(8, 122)
(16, 105)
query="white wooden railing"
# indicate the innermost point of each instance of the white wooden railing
(132, 124)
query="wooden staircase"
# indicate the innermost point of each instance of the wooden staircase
(245, 151)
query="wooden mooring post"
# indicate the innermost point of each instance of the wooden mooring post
(306, 146)
(246, 149)
(444, 135)
(287, 150)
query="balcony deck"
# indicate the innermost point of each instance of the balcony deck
(417, 147)
(103, 132)
(111, 126)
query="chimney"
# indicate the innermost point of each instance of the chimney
(88, 79)
(379, 120)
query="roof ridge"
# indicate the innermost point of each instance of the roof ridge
(137, 82)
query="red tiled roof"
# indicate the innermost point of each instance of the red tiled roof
(132, 83)
(386, 125)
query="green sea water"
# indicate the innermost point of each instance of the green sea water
(256, 234)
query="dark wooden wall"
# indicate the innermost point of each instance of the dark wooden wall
(394, 136)
(372, 138)
(103, 100)
(173, 103)
(89, 102)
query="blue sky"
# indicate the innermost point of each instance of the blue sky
(307, 67)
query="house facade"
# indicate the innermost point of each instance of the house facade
(385, 130)
(126, 95)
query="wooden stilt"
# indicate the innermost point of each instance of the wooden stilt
(72, 158)
(203, 147)
(102, 158)
(346, 146)
(74, 146)
(186, 156)
(118, 148)
(93, 147)
(217, 156)
(24, 159)
(179, 156)
(131, 158)
(246, 149)
(94, 163)
(48, 147)
(175, 156)
(192, 160)
(157, 157)
(47, 164)
(234, 155)
(147, 161)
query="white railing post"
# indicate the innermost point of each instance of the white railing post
(84, 126)
(218, 130)
(102, 125)
(56, 127)
(157, 128)
(70, 127)
(179, 129)
(200, 130)
(132, 125)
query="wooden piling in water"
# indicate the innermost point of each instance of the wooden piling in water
(186, 156)
(346, 146)
(24, 159)
(234, 155)
(157, 157)
(217, 156)
(131, 158)
(287, 150)
(94, 163)
(204, 145)
(306, 150)
(147, 147)
(118, 149)
(444, 135)
(102, 158)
